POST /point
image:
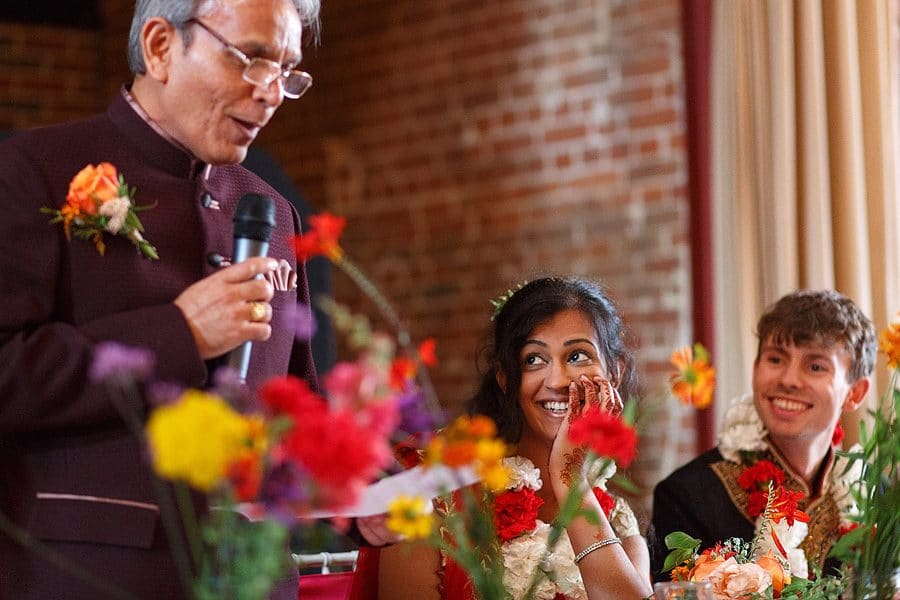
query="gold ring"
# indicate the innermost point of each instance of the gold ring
(257, 311)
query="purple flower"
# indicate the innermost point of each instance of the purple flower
(415, 415)
(161, 393)
(304, 322)
(284, 486)
(114, 361)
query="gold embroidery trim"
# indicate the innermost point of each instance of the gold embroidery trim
(824, 515)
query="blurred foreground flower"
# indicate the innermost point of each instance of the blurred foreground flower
(411, 517)
(694, 381)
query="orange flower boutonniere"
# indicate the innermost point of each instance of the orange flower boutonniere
(99, 200)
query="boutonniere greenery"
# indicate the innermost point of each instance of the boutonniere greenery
(100, 201)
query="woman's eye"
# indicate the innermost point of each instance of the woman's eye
(818, 368)
(533, 359)
(579, 356)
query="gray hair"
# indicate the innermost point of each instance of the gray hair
(179, 12)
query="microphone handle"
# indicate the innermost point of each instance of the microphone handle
(244, 248)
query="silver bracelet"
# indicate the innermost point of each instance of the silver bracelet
(596, 546)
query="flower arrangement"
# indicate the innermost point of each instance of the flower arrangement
(100, 201)
(871, 544)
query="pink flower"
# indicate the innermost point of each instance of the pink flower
(734, 580)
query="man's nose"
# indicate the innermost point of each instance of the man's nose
(272, 93)
(792, 374)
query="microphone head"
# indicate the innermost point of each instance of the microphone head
(255, 217)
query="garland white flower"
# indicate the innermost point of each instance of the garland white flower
(743, 431)
(521, 556)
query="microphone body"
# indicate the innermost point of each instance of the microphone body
(254, 221)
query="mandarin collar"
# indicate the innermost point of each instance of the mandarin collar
(150, 142)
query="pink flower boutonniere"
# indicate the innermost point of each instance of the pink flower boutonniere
(99, 200)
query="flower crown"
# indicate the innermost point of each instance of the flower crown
(499, 302)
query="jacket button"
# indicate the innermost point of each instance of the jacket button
(209, 202)
(217, 260)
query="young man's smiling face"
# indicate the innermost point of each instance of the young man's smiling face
(800, 391)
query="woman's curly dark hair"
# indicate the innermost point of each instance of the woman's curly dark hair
(529, 307)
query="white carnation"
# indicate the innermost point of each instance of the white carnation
(116, 209)
(742, 429)
(521, 558)
(523, 474)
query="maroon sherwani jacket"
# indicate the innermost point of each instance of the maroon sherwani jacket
(71, 473)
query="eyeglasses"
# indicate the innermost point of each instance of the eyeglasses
(262, 71)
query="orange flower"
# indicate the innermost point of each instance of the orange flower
(93, 186)
(402, 370)
(889, 344)
(695, 379)
(704, 565)
(776, 570)
(680, 573)
(784, 506)
(427, 354)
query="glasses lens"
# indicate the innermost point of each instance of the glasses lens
(297, 83)
(261, 71)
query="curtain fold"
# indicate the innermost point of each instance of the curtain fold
(803, 164)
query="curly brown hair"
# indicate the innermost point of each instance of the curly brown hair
(825, 316)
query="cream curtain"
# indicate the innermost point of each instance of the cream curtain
(804, 164)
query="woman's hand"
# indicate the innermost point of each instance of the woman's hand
(566, 458)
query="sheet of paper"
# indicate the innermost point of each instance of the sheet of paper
(417, 481)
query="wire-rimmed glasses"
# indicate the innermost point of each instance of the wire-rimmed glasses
(262, 71)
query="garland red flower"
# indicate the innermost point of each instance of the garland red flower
(755, 479)
(515, 513)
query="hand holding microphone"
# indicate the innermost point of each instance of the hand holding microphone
(229, 309)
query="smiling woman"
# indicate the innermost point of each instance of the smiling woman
(555, 348)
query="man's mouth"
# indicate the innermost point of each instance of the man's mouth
(788, 405)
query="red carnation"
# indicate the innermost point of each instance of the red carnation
(756, 503)
(758, 476)
(838, 436)
(607, 502)
(515, 512)
(289, 395)
(606, 435)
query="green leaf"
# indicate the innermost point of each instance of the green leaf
(681, 541)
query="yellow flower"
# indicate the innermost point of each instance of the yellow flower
(196, 438)
(889, 344)
(470, 441)
(410, 517)
(694, 381)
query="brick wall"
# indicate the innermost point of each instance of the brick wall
(474, 145)
(471, 146)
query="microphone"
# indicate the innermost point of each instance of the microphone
(254, 221)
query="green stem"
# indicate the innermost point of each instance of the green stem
(393, 318)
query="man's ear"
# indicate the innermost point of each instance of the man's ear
(857, 394)
(501, 380)
(157, 45)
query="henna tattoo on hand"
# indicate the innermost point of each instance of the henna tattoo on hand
(574, 462)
